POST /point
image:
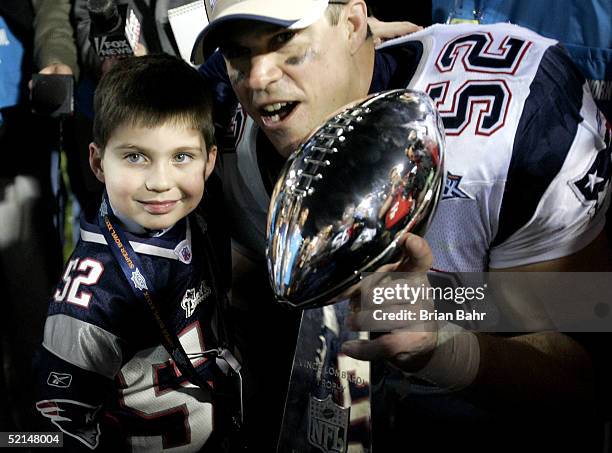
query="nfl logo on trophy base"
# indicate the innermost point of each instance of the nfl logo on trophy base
(327, 425)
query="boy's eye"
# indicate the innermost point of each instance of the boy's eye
(182, 157)
(134, 158)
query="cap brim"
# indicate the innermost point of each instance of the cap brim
(298, 14)
(208, 39)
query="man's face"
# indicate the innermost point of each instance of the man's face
(289, 81)
(153, 176)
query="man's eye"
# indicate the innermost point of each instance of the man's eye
(284, 37)
(234, 52)
(134, 158)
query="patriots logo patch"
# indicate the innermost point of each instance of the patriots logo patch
(73, 418)
(452, 189)
(593, 185)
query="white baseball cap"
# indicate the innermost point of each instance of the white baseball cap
(293, 14)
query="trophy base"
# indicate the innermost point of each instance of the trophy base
(328, 401)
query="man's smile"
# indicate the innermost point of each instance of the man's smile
(274, 113)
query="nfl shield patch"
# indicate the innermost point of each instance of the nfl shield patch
(183, 252)
(327, 425)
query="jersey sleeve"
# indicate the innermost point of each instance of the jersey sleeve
(72, 399)
(81, 354)
(558, 185)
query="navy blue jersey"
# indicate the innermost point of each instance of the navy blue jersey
(105, 379)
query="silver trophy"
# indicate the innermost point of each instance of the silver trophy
(344, 198)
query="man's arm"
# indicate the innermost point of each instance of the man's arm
(539, 366)
(560, 230)
(546, 369)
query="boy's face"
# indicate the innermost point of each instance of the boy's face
(153, 176)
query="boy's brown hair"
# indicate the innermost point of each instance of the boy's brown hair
(150, 91)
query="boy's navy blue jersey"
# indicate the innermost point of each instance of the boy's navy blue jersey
(104, 377)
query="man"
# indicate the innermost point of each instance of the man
(523, 136)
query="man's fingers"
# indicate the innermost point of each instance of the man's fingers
(417, 254)
(363, 349)
(396, 29)
(57, 68)
(389, 318)
(383, 31)
(140, 50)
(406, 350)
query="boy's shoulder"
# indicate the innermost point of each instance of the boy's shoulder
(94, 289)
(174, 244)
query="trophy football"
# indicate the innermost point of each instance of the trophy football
(368, 175)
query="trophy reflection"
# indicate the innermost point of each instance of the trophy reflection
(344, 198)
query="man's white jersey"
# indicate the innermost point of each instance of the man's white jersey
(480, 78)
(246, 198)
(527, 168)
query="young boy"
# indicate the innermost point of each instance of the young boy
(141, 276)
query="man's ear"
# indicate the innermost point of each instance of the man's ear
(357, 19)
(210, 162)
(95, 161)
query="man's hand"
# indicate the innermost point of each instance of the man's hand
(383, 31)
(140, 50)
(407, 349)
(55, 68)
(107, 63)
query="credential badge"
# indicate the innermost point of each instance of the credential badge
(139, 281)
(327, 425)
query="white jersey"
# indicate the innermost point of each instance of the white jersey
(246, 198)
(527, 168)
